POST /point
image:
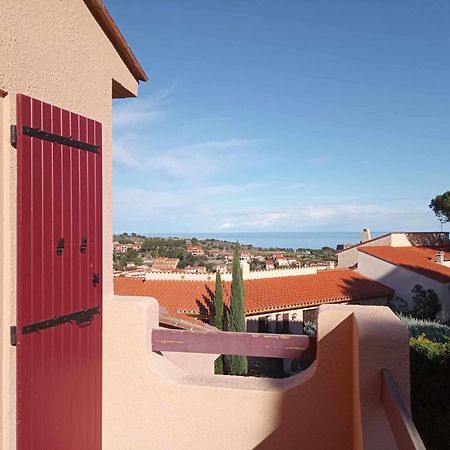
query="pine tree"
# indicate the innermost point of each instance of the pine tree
(238, 364)
(218, 319)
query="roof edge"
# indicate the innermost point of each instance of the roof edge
(365, 242)
(109, 27)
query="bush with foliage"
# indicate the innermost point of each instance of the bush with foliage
(426, 303)
(430, 390)
(433, 331)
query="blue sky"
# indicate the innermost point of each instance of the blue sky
(283, 115)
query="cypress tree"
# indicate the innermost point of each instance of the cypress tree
(238, 364)
(218, 319)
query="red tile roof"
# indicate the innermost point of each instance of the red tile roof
(268, 294)
(417, 259)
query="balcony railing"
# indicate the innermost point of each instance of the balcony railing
(229, 343)
(405, 433)
(291, 347)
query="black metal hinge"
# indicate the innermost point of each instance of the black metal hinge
(81, 318)
(13, 138)
(58, 139)
(13, 335)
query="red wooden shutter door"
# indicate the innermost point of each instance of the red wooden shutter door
(59, 278)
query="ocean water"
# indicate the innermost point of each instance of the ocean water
(294, 240)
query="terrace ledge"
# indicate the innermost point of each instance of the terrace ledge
(149, 401)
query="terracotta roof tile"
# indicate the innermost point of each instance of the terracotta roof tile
(417, 259)
(269, 294)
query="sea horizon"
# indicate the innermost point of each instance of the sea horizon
(278, 239)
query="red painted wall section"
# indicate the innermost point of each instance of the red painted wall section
(59, 197)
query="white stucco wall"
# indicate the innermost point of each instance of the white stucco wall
(296, 316)
(56, 52)
(349, 257)
(295, 320)
(403, 280)
(247, 275)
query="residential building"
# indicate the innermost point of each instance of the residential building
(402, 268)
(165, 263)
(282, 262)
(265, 298)
(348, 257)
(195, 250)
(194, 269)
(245, 256)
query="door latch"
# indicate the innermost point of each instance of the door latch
(60, 247)
(95, 278)
(83, 245)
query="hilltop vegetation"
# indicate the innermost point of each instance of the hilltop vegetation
(174, 247)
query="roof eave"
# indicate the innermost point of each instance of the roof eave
(109, 27)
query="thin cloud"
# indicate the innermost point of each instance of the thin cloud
(320, 160)
(146, 110)
(198, 160)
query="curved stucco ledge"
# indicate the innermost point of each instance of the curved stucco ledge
(149, 402)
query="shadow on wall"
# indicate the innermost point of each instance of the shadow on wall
(329, 402)
(206, 303)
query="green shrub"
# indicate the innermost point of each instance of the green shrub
(426, 303)
(434, 331)
(430, 390)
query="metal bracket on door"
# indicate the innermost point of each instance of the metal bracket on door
(13, 137)
(81, 318)
(83, 245)
(60, 247)
(13, 335)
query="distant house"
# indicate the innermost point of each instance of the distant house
(194, 269)
(402, 268)
(324, 265)
(348, 257)
(163, 264)
(221, 268)
(195, 250)
(214, 253)
(245, 256)
(269, 264)
(123, 248)
(282, 262)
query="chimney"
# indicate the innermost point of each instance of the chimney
(366, 236)
(245, 266)
(440, 257)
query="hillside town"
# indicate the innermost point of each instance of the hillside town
(136, 256)
(385, 270)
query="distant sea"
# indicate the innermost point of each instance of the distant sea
(294, 240)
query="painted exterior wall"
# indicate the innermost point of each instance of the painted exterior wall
(349, 257)
(247, 275)
(56, 52)
(296, 316)
(403, 280)
(151, 403)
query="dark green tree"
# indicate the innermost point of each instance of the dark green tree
(441, 206)
(426, 303)
(238, 364)
(218, 319)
